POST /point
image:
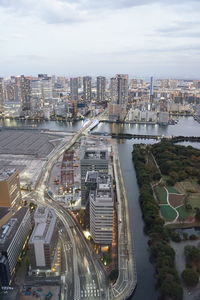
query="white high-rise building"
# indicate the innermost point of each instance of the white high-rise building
(102, 210)
(42, 243)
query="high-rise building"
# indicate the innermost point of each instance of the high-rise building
(25, 90)
(151, 89)
(74, 89)
(87, 88)
(10, 193)
(101, 209)
(119, 97)
(47, 89)
(13, 236)
(92, 159)
(43, 240)
(122, 89)
(113, 89)
(36, 94)
(101, 88)
(1, 95)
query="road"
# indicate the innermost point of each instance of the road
(127, 279)
(85, 279)
(92, 277)
(83, 276)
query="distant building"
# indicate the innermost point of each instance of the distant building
(1, 95)
(43, 241)
(101, 88)
(10, 193)
(113, 90)
(74, 89)
(87, 88)
(119, 97)
(47, 89)
(25, 90)
(92, 160)
(36, 94)
(101, 208)
(122, 89)
(13, 236)
(163, 118)
(151, 89)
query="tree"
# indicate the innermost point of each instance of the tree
(190, 277)
(172, 290)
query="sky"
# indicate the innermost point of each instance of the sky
(100, 37)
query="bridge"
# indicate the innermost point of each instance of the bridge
(174, 139)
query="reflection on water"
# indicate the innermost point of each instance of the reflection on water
(52, 125)
(186, 126)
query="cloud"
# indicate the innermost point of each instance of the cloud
(70, 11)
(49, 11)
(182, 29)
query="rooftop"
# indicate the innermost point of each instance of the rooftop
(45, 221)
(95, 154)
(8, 230)
(6, 173)
(27, 142)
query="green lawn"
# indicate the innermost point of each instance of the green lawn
(172, 190)
(162, 195)
(168, 213)
(183, 213)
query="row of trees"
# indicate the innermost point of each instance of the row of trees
(190, 274)
(162, 254)
(177, 162)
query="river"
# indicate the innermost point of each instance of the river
(186, 126)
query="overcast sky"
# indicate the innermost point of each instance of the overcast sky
(100, 37)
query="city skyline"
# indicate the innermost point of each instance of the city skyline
(141, 38)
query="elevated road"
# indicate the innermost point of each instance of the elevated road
(88, 278)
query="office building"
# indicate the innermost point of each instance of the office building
(13, 237)
(101, 208)
(25, 91)
(10, 193)
(101, 88)
(92, 159)
(87, 88)
(74, 89)
(43, 241)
